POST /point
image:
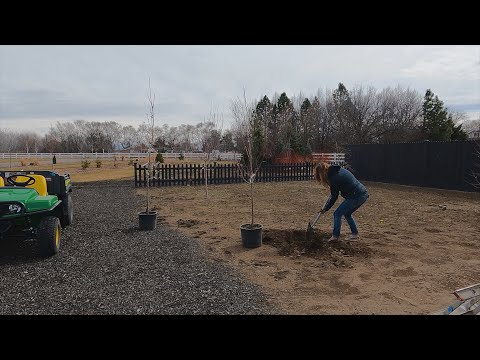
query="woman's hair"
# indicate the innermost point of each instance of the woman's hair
(321, 173)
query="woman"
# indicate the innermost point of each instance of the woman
(342, 181)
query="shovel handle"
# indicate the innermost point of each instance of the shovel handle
(312, 224)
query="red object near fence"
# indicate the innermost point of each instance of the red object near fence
(290, 157)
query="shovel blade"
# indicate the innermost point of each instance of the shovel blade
(310, 231)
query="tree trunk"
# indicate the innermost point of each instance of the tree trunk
(251, 195)
(206, 179)
(148, 184)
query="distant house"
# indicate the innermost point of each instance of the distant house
(473, 134)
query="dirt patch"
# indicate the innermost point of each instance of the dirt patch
(161, 219)
(187, 223)
(296, 242)
(405, 272)
(410, 249)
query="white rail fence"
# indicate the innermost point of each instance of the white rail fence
(334, 158)
(111, 156)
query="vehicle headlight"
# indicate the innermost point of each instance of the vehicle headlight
(14, 209)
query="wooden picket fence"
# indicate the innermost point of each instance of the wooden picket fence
(194, 174)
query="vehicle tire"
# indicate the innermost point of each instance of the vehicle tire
(48, 235)
(67, 211)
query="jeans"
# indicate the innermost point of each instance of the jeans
(346, 208)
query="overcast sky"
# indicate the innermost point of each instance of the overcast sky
(41, 84)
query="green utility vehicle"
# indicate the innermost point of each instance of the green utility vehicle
(35, 204)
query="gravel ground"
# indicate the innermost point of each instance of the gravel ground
(107, 266)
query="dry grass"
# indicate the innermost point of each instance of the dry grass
(109, 169)
(106, 172)
(99, 174)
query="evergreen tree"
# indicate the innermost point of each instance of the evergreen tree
(305, 107)
(286, 120)
(284, 104)
(227, 141)
(263, 112)
(305, 132)
(458, 133)
(263, 120)
(258, 144)
(343, 110)
(437, 124)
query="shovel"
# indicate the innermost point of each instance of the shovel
(311, 224)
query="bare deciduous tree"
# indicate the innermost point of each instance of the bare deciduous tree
(28, 142)
(172, 137)
(128, 137)
(8, 140)
(322, 118)
(209, 134)
(150, 138)
(242, 112)
(398, 115)
(470, 125)
(186, 137)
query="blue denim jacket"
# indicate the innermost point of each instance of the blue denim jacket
(342, 181)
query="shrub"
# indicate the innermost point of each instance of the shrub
(159, 158)
(123, 157)
(85, 164)
(181, 157)
(23, 163)
(99, 163)
(130, 162)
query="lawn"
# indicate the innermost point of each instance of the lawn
(108, 170)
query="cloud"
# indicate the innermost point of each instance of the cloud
(46, 103)
(104, 82)
(49, 103)
(453, 63)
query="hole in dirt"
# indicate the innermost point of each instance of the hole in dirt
(295, 242)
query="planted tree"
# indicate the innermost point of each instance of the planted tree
(148, 218)
(250, 138)
(150, 123)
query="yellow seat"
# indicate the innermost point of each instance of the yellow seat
(40, 183)
(2, 183)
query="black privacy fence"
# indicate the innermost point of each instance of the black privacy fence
(445, 165)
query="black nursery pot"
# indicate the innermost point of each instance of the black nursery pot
(251, 235)
(147, 221)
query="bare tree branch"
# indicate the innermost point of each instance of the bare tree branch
(242, 111)
(150, 127)
(209, 134)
